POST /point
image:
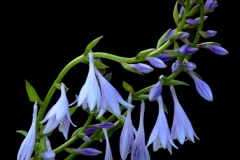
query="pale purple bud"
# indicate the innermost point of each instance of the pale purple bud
(156, 62)
(191, 22)
(213, 5)
(102, 125)
(165, 57)
(155, 91)
(49, 154)
(187, 49)
(175, 66)
(170, 34)
(141, 67)
(90, 130)
(181, 12)
(190, 66)
(184, 36)
(202, 87)
(86, 138)
(210, 5)
(86, 151)
(216, 49)
(198, 19)
(211, 33)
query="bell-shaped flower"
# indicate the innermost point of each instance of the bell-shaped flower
(141, 67)
(165, 57)
(175, 66)
(59, 115)
(27, 146)
(216, 49)
(127, 137)
(84, 151)
(90, 91)
(108, 153)
(49, 154)
(156, 62)
(187, 49)
(202, 87)
(161, 130)
(138, 151)
(155, 91)
(181, 126)
(110, 97)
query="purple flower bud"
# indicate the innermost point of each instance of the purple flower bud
(210, 5)
(108, 153)
(156, 62)
(216, 49)
(191, 22)
(190, 66)
(186, 49)
(198, 19)
(155, 91)
(90, 130)
(85, 151)
(181, 12)
(102, 125)
(211, 33)
(86, 139)
(164, 57)
(213, 5)
(184, 36)
(202, 87)
(175, 66)
(141, 67)
(170, 34)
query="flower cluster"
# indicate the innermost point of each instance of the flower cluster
(98, 96)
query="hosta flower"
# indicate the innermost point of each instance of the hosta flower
(141, 67)
(202, 87)
(27, 145)
(156, 62)
(216, 49)
(90, 91)
(110, 97)
(187, 49)
(84, 151)
(175, 66)
(155, 91)
(49, 154)
(108, 153)
(138, 151)
(161, 130)
(127, 137)
(181, 127)
(59, 115)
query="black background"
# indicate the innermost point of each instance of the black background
(44, 37)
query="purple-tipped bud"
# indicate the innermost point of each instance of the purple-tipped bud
(210, 5)
(181, 12)
(90, 130)
(202, 87)
(198, 19)
(191, 22)
(86, 139)
(208, 33)
(155, 91)
(143, 68)
(156, 62)
(190, 66)
(103, 125)
(164, 57)
(175, 66)
(85, 151)
(187, 49)
(170, 34)
(216, 49)
(184, 36)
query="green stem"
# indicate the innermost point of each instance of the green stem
(53, 88)
(73, 139)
